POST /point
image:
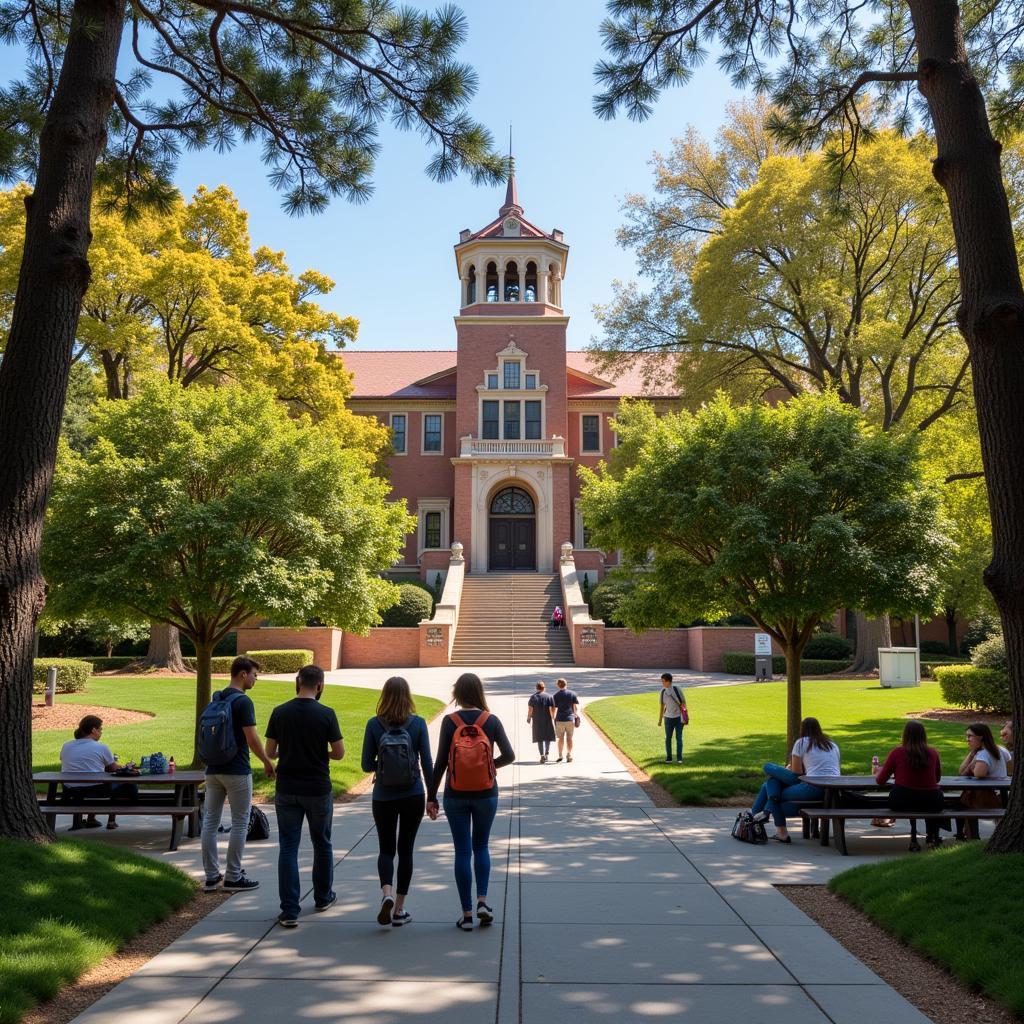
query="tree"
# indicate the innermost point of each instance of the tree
(784, 514)
(96, 630)
(841, 66)
(203, 507)
(310, 81)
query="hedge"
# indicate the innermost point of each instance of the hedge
(104, 664)
(742, 664)
(828, 647)
(72, 675)
(981, 689)
(414, 604)
(274, 661)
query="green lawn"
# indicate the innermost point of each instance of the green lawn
(68, 905)
(735, 729)
(172, 701)
(942, 904)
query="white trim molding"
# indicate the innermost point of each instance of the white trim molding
(424, 506)
(599, 450)
(423, 434)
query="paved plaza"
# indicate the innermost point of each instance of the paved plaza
(608, 909)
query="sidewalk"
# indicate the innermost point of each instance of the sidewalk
(608, 909)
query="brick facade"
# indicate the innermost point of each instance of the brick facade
(386, 647)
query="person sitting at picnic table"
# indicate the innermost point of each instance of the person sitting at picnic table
(1006, 735)
(985, 760)
(783, 792)
(557, 617)
(86, 754)
(916, 770)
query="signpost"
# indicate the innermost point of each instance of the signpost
(762, 656)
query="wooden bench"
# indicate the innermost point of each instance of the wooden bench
(178, 813)
(840, 815)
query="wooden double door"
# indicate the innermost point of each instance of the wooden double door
(513, 543)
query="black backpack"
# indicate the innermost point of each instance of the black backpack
(396, 759)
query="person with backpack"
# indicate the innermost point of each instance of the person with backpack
(305, 736)
(396, 748)
(227, 732)
(466, 755)
(674, 714)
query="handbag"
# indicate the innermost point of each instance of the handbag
(747, 829)
(576, 721)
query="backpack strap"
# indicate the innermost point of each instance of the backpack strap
(679, 697)
(484, 715)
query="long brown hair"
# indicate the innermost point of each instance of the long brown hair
(396, 703)
(86, 726)
(468, 692)
(915, 742)
(810, 729)
(981, 730)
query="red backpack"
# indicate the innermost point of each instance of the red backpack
(470, 756)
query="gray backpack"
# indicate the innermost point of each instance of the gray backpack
(396, 759)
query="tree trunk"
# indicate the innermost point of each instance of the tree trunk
(115, 372)
(204, 664)
(871, 634)
(165, 648)
(794, 712)
(991, 318)
(951, 638)
(34, 374)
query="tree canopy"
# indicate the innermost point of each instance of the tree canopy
(785, 514)
(203, 507)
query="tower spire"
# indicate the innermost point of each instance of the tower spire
(511, 192)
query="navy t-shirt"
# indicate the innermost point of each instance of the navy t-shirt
(564, 701)
(416, 727)
(242, 714)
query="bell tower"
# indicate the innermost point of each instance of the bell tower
(511, 404)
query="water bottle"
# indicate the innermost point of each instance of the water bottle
(875, 765)
(171, 767)
(144, 767)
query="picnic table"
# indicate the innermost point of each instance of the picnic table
(835, 785)
(178, 797)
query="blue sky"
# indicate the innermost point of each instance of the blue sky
(391, 258)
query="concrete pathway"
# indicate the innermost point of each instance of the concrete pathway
(608, 909)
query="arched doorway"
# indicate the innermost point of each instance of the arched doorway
(512, 531)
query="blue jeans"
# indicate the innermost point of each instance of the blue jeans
(319, 813)
(470, 820)
(783, 793)
(674, 727)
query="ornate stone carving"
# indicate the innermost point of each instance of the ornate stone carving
(457, 552)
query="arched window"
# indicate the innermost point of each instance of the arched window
(511, 282)
(531, 282)
(492, 282)
(512, 501)
(471, 287)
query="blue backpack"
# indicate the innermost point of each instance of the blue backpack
(217, 744)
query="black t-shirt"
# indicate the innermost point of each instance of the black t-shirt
(564, 701)
(304, 729)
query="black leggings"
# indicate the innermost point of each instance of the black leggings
(903, 799)
(397, 823)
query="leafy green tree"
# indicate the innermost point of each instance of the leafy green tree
(204, 507)
(783, 514)
(97, 630)
(311, 82)
(843, 68)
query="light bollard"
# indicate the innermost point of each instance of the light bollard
(51, 686)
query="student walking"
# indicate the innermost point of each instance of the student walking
(465, 759)
(540, 713)
(567, 717)
(231, 780)
(396, 748)
(305, 735)
(674, 714)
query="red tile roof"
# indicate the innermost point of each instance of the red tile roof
(402, 374)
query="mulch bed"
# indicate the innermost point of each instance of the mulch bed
(930, 987)
(959, 715)
(67, 716)
(80, 995)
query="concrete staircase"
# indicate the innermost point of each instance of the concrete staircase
(505, 619)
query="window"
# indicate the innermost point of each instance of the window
(511, 421)
(512, 376)
(532, 421)
(398, 432)
(492, 382)
(531, 382)
(489, 429)
(471, 287)
(585, 536)
(512, 501)
(431, 433)
(590, 430)
(432, 530)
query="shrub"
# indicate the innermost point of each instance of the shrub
(742, 664)
(982, 689)
(72, 675)
(415, 603)
(828, 646)
(111, 663)
(985, 625)
(605, 599)
(934, 647)
(990, 653)
(276, 661)
(219, 665)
